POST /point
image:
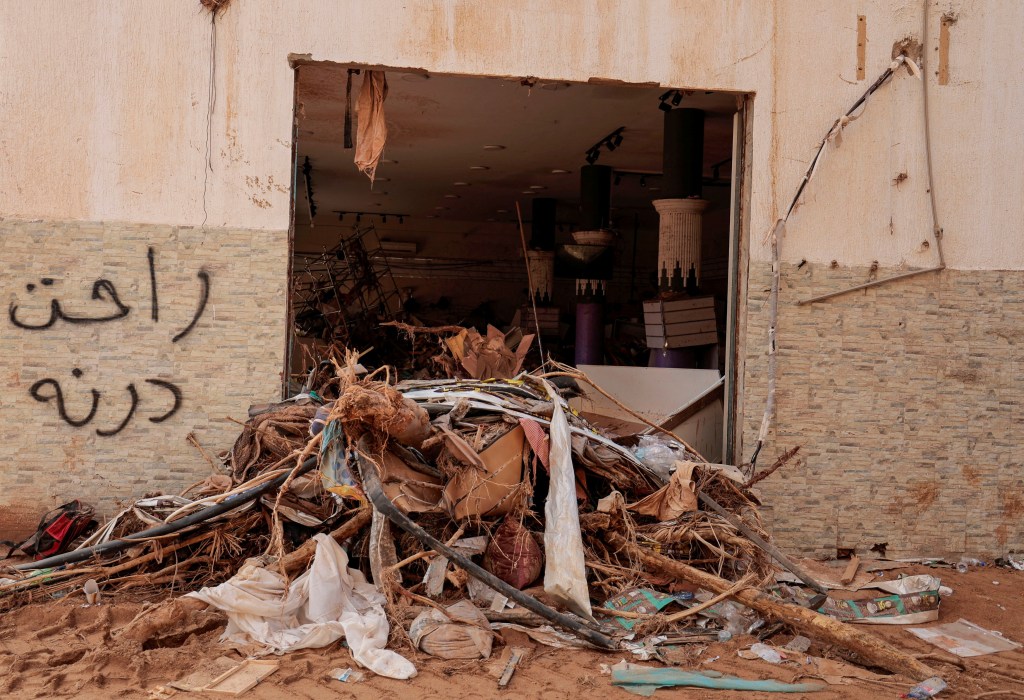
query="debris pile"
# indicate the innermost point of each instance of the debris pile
(434, 513)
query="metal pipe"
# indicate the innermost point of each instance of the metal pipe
(203, 515)
(872, 283)
(765, 546)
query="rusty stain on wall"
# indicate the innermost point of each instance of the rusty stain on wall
(924, 494)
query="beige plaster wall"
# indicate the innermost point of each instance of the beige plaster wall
(106, 112)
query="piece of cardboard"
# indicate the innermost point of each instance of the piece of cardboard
(673, 499)
(964, 638)
(476, 492)
(410, 490)
(489, 357)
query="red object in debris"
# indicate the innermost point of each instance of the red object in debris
(513, 555)
(57, 530)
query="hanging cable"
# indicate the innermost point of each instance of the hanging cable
(774, 236)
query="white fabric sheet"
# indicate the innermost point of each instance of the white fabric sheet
(327, 602)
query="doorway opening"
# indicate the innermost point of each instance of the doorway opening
(601, 184)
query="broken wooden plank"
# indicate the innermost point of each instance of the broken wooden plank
(517, 655)
(862, 45)
(850, 572)
(243, 677)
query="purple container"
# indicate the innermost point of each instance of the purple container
(589, 334)
(676, 357)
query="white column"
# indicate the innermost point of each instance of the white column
(542, 273)
(679, 240)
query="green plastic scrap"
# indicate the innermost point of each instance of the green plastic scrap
(644, 681)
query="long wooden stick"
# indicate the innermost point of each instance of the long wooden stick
(529, 281)
(815, 625)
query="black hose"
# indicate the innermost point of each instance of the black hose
(229, 503)
(372, 486)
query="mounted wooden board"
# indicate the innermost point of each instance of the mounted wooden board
(681, 341)
(680, 323)
(679, 304)
(670, 317)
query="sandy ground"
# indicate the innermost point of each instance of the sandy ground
(65, 649)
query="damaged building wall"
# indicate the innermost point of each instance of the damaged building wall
(120, 341)
(903, 396)
(108, 117)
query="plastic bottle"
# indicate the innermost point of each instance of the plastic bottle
(926, 689)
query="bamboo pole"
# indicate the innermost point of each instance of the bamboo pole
(815, 625)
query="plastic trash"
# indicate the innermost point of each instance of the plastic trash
(642, 680)
(766, 653)
(738, 619)
(346, 675)
(1016, 561)
(969, 561)
(926, 689)
(92, 592)
(327, 602)
(460, 632)
(565, 570)
(660, 454)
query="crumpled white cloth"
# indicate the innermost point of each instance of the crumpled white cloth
(327, 602)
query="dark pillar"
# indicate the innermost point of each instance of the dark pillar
(683, 154)
(595, 197)
(542, 226)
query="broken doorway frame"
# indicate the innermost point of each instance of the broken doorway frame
(739, 261)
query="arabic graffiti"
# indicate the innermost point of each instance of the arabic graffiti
(101, 289)
(49, 389)
(204, 296)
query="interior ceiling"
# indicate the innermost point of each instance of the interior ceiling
(438, 126)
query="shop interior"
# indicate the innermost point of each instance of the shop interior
(599, 216)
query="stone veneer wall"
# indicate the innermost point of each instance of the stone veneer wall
(232, 357)
(906, 399)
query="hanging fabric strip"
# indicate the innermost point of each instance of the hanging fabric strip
(371, 129)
